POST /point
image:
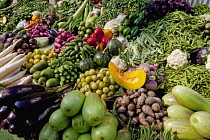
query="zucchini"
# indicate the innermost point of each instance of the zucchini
(134, 30)
(190, 98)
(183, 129)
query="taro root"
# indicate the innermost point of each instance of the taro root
(150, 101)
(121, 109)
(156, 107)
(151, 94)
(131, 106)
(125, 100)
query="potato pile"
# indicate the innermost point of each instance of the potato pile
(141, 107)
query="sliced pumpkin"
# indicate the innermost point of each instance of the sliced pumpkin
(129, 80)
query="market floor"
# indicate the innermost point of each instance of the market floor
(4, 135)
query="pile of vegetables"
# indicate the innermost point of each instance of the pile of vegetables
(141, 107)
(127, 69)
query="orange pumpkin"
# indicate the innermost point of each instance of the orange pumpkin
(129, 80)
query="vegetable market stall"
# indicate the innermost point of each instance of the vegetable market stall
(113, 69)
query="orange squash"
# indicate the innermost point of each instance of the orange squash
(129, 80)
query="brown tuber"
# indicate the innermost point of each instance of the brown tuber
(130, 92)
(123, 117)
(118, 100)
(135, 100)
(142, 115)
(156, 107)
(135, 95)
(138, 111)
(141, 100)
(134, 120)
(150, 101)
(158, 100)
(142, 90)
(125, 100)
(121, 109)
(150, 119)
(148, 110)
(130, 113)
(131, 106)
(143, 122)
(151, 94)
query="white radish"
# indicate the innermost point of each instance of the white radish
(13, 78)
(17, 81)
(11, 74)
(18, 57)
(7, 58)
(26, 80)
(5, 70)
(9, 49)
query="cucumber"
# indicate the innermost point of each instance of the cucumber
(179, 112)
(190, 98)
(183, 129)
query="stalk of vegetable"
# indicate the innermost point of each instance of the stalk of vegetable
(79, 12)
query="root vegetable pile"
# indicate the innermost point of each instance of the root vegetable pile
(141, 107)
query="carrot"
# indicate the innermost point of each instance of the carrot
(9, 49)
(7, 58)
(13, 78)
(5, 70)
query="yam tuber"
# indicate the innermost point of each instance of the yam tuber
(150, 119)
(143, 122)
(156, 107)
(158, 100)
(134, 120)
(151, 93)
(141, 100)
(138, 111)
(150, 101)
(142, 115)
(135, 95)
(131, 106)
(142, 90)
(125, 100)
(130, 92)
(123, 117)
(148, 110)
(121, 109)
(135, 100)
(130, 113)
(119, 99)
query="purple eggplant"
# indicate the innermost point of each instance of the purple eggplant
(37, 124)
(11, 94)
(4, 124)
(4, 111)
(32, 105)
(11, 117)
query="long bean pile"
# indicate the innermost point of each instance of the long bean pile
(192, 76)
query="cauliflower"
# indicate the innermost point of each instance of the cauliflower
(23, 24)
(208, 62)
(123, 40)
(120, 63)
(177, 59)
(36, 13)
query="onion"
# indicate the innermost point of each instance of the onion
(152, 85)
(153, 67)
(160, 79)
(131, 69)
(151, 73)
(57, 45)
(145, 69)
(58, 40)
(57, 50)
